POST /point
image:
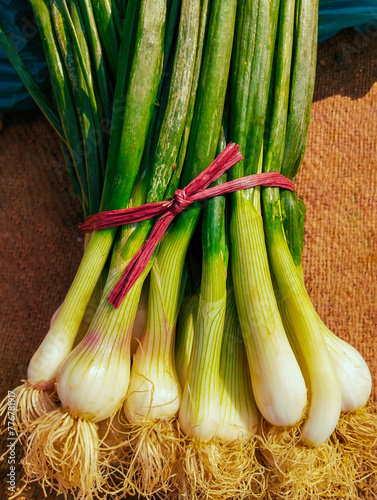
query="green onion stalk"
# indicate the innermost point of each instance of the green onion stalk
(36, 396)
(89, 35)
(239, 413)
(217, 414)
(64, 99)
(310, 347)
(109, 26)
(352, 371)
(141, 317)
(278, 384)
(199, 414)
(238, 420)
(185, 336)
(155, 393)
(89, 311)
(349, 455)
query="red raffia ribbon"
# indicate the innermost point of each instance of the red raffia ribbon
(196, 190)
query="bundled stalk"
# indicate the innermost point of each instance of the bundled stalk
(233, 386)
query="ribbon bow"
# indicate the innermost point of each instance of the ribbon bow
(196, 190)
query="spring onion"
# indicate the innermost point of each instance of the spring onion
(350, 367)
(215, 377)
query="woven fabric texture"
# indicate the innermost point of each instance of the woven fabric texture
(41, 245)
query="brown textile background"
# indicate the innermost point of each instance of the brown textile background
(41, 246)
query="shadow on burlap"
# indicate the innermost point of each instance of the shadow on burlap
(41, 245)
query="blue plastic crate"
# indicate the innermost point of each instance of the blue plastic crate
(18, 20)
(336, 15)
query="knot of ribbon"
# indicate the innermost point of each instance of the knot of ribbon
(196, 190)
(180, 201)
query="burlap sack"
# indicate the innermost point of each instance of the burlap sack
(41, 245)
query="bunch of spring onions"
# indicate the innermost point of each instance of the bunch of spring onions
(215, 377)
